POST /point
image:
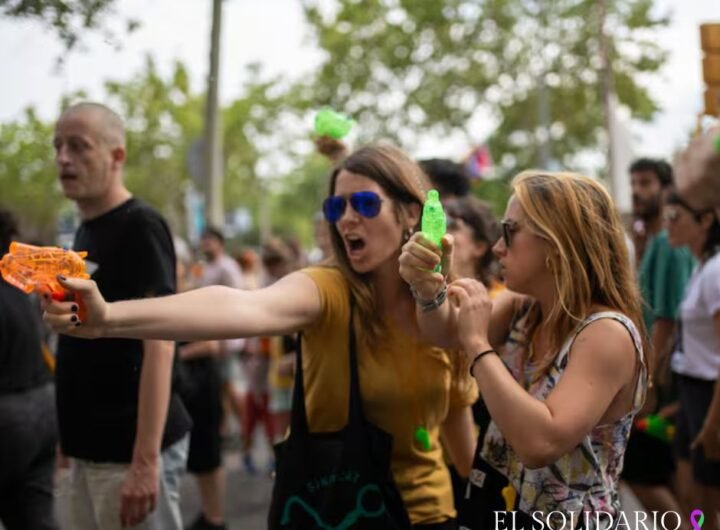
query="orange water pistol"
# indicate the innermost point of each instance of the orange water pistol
(31, 268)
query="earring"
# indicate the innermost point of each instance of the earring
(407, 234)
(549, 265)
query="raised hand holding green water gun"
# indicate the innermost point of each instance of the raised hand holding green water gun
(330, 129)
(434, 223)
(332, 124)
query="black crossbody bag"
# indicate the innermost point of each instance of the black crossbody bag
(340, 480)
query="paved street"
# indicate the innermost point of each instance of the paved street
(247, 496)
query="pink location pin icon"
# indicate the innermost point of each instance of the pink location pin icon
(697, 524)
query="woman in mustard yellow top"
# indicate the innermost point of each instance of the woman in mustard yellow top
(375, 204)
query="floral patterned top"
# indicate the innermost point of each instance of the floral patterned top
(584, 480)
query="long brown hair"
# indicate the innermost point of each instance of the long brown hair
(478, 216)
(588, 257)
(405, 183)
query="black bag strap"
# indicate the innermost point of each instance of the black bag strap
(298, 419)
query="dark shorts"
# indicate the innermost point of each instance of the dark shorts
(203, 400)
(695, 397)
(648, 460)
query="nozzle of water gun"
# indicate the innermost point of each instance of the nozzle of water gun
(433, 223)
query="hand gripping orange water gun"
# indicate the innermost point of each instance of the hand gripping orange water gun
(31, 268)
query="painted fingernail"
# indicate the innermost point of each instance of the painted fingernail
(73, 318)
(74, 308)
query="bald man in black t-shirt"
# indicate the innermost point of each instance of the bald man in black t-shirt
(119, 418)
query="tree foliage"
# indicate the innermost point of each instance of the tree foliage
(164, 124)
(68, 18)
(27, 176)
(162, 118)
(409, 67)
(404, 69)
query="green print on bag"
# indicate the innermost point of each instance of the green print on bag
(349, 520)
(350, 477)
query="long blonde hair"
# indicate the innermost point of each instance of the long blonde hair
(588, 251)
(405, 183)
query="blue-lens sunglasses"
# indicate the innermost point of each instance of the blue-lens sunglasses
(366, 203)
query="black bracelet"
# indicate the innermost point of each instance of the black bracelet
(478, 357)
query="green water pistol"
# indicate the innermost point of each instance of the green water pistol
(656, 426)
(332, 124)
(434, 223)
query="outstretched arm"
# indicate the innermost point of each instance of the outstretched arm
(204, 314)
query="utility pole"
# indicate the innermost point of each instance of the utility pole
(213, 139)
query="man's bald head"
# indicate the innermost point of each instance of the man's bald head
(89, 144)
(108, 125)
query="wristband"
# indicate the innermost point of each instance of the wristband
(477, 358)
(429, 305)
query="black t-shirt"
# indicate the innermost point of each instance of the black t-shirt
(98, 381)
(21, 359)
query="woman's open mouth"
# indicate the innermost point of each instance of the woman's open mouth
(354, 245)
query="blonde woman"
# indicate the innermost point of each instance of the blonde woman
(559, 360)
(410, 389)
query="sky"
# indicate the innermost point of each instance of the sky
(273, 33)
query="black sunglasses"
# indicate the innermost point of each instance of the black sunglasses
(508, 229)
(366, 203)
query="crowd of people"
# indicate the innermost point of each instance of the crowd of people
(513, 367)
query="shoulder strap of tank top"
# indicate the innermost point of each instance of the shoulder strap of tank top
(641, 384)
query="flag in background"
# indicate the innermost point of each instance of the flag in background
(478, 163)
